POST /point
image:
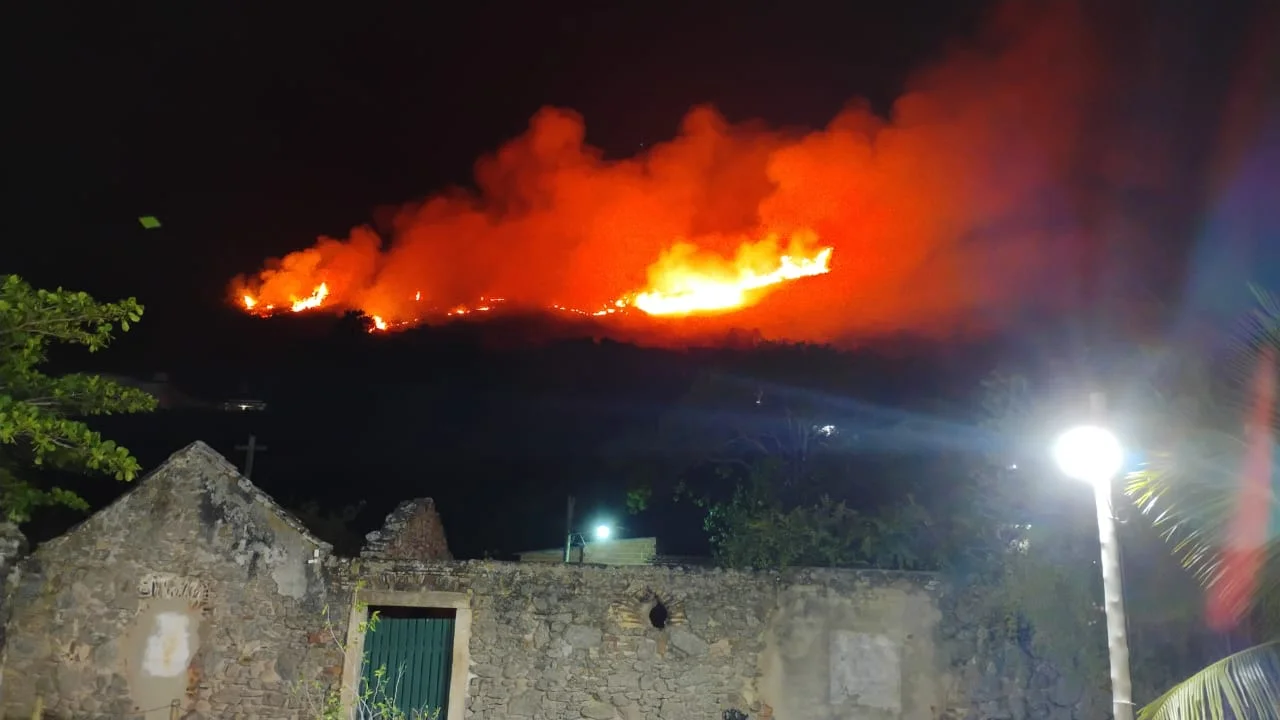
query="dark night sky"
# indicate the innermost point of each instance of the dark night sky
(249, 130)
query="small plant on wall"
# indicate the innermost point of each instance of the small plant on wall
(376, 695)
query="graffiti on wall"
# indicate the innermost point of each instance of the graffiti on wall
(170, 639)
(169, 586)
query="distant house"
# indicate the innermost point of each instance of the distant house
(623, 551)
(243, 405)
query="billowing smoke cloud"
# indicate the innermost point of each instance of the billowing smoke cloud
(945, 216)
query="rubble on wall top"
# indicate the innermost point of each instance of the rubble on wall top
(413, 531)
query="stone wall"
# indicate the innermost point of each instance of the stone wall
(196, 594)
(193, 589)
(542, 641)
(13, 548)
(999, 678)
(570, 641)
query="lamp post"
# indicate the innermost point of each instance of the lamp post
(568, 530)
(1092, 454)
(601, 531)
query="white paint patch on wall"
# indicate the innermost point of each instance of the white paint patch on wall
(866, 669)
(168, 646)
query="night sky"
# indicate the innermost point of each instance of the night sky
(251, 130)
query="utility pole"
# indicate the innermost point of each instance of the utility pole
(250, 449)
(568, 530)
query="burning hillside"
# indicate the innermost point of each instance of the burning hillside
(681, 283)
(932, 219)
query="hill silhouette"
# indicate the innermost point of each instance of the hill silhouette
(497, 419)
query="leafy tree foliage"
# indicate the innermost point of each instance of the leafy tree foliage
(789, 470)
(41, 416)
(753, 529)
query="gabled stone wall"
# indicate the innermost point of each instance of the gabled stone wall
(193, 589)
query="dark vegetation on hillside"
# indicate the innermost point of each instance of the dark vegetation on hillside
(498, 420)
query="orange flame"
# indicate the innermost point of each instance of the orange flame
(314, 300)
(684, 281)
(682, 287)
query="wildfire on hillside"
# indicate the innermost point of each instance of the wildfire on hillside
(682, 282)
(945, 214)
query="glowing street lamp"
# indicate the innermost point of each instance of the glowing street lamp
(602, 531)
(1090, 454)
(1093, 454)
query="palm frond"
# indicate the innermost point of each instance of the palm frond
(1189, 495)
(1257, 330)
(1243, 686)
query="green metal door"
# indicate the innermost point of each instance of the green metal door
(408, 657)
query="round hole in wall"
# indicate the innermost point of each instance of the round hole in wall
(658, 615)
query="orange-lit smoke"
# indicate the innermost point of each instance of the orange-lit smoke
(931, 221)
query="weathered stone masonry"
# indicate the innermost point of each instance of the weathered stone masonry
(194, 587)
(578, 641)
(196, 594)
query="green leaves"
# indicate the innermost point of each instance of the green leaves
(1238, 686)
(40, 415)
(757, 528)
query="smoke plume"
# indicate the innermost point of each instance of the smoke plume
(945, 216)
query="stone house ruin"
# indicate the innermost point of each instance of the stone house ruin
(196, 596)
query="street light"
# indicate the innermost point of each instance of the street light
(1093, 454)
(1090, 454)
(602, 531)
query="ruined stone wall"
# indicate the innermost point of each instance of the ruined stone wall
(13, 548)
(195, 596)
(541, 641)
(569, 641)
(556, 641)
(190, 590)
(997, 676)
(413, 531)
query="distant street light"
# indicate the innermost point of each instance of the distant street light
(602, 531)
(1094, 455)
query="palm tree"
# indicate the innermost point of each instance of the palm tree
(1197, 497)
